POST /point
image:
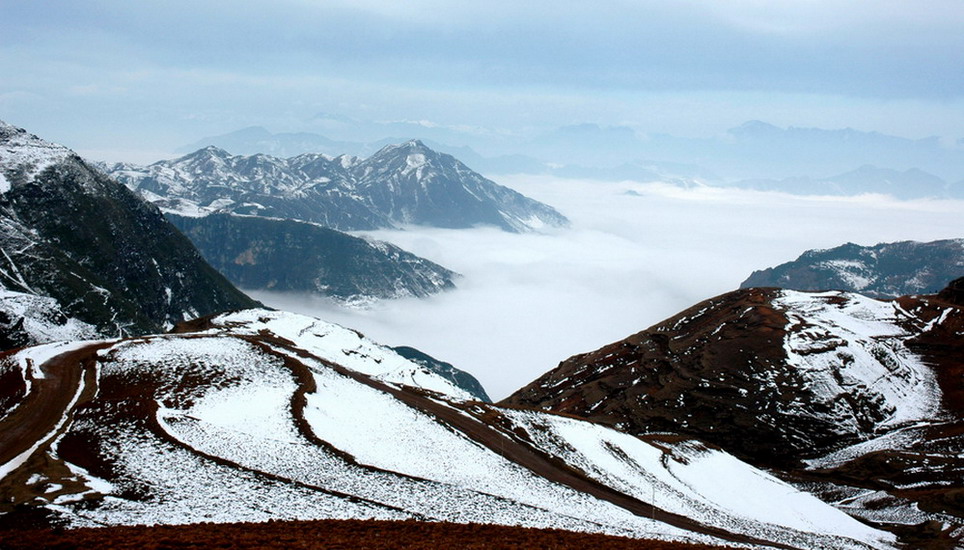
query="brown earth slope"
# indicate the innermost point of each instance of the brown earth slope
(720, 372)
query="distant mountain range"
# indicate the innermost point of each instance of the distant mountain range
(407, 183)
(754, 149)
(909, 184)
(882, 270)
(258, 140)
(104, 256)
(762, 153)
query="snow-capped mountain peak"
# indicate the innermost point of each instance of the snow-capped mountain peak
(406, 183)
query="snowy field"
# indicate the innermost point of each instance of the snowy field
(635, 254)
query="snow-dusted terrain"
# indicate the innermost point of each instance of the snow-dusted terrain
(31, 319)
(23, 155)
(883, 270)
(258, 415)
(851, 350)
(89, 249)
(850, 398)
(401, 184)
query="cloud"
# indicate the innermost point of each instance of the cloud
(529, 301)
(792, 47)
(192, 69)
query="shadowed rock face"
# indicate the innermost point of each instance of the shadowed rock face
(458, 377)
(287, 255)
(954, 293)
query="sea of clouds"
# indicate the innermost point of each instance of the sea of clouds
(635, 254)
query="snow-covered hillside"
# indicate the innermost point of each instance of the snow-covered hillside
(852, 398)
(24, 155)
(261, 415)
(851, 352)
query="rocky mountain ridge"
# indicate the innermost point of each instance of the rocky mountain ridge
(885, 270)
(407, 183)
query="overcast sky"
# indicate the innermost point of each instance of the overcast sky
(120, 77)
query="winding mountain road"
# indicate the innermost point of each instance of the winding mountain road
(46, 409)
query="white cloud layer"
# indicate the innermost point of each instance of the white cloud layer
(529, 301)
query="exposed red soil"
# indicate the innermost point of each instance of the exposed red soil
(41, 409)
(697, 374)
(654, 380)
(326, 534)
(38, 413)
(484, 429)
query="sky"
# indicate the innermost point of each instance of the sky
(526, 302)
(120, 80)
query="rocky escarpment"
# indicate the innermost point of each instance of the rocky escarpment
(107, 257)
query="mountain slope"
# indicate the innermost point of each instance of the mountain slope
(29, 319)
(448, 371)
(263, 415)
(287, 255)
(400, 184)
(856, 399)
(107, 257)
(884, 270)
(413, 184)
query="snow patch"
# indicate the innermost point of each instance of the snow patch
(339, 345)
(865, 354)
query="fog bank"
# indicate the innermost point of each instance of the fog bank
(635, 254)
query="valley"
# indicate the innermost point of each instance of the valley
(760, 417)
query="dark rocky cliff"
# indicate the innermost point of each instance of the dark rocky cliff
(287, 255)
